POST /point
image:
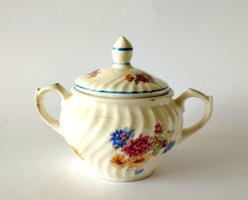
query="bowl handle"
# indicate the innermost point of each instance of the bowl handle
(208, 102)
(39, 103)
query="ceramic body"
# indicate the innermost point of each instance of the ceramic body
(121, 139)
(120, 120)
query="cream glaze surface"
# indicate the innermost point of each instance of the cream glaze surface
(121, 126)
(87, 123)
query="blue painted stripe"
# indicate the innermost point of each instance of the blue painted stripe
(122, 63)
(120, 92)
(122, 49)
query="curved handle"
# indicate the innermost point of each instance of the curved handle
(208, 102)
(39, 102)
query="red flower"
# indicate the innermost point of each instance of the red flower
(124, 135)
(138, 146)
(158, 128)
(94, 72)
(136, 81)
(143, 78)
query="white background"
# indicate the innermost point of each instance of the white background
(194, 43)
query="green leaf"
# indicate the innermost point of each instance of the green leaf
(116, 147)
(170, 131)
(164, 135)
(156, 141)
(159, 137)
(156, 149)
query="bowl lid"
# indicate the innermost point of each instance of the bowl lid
(121, 80)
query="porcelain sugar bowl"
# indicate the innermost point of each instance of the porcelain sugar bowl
(120, 120)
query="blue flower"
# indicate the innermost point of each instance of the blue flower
(120, 138)
(138, 171)
(169, 147)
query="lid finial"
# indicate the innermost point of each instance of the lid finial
(122, 52)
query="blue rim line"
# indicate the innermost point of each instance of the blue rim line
(120, 92)
(122, 49)
(122, 63)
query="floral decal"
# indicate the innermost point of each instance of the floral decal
(162, 138)
(77, 152)
(129, 78)
(169, 147)
(138, 171)
(138, 146)
(137, 152)
(145, 78)
(118, 161)
(158, 128)
(121, 137)
(137, 162)
(93, 74)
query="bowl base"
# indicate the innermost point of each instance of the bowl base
(122, 180)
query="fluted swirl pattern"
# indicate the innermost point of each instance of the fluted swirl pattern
(113, 81)
(87, 124)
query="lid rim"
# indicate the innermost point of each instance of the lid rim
(120, 92)
(168, 94)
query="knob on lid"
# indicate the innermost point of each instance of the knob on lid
(122, 52)
(121, 80)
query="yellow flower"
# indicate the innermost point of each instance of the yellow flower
(118, 161)
(138, 161)
(129, 77)
(77, 152)
(92, 75)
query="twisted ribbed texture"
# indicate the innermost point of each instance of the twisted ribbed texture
(87, 125)
(121, 80)
(114, 81)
